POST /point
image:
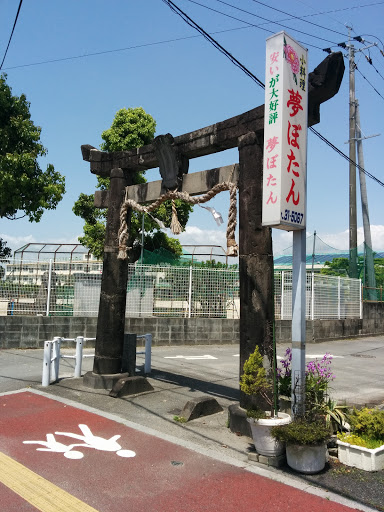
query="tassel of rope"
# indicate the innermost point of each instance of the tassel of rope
(220, 187)
(175, 224)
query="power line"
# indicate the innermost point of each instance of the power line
(369, 60)
(213, 41)
(262, 18)
(10, 37)
(155, 43)
(134, 47)
(373, 87)
(193, 24)
(345, 156)
(295, 17)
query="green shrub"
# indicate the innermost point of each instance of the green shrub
(256, 414)
(254, 379)
(368, 423)
(356, 440)
(302, 431)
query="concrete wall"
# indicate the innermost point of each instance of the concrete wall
(32, 331)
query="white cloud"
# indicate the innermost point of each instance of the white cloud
(194, 235)
(341, 240)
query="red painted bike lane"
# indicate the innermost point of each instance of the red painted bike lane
(112, 467)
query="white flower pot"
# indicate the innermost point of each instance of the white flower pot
(265, 444)
(308, 459)
(360, 457)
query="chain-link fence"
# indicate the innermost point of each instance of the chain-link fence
(326, 296)
(52, 288)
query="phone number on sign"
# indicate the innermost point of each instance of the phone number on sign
(292, 216)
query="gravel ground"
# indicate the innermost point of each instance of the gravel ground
(364, 487)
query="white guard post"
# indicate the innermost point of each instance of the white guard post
(52, 355)
(147, 352)
(285, 176)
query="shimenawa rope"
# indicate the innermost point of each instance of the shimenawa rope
(232, 247)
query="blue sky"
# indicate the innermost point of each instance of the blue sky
(186, 84)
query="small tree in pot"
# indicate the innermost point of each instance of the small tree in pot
(255, 381)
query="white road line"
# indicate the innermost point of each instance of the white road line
(190, 357)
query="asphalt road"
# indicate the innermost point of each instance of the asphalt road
(357, 365)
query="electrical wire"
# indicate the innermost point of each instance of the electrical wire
(134, 47)
(373, 87)
(10, 37)
(369, 59)
(262, 18)
(369, 35)
(193, 24)
(292, 16)
(345, 156)
(213, 41)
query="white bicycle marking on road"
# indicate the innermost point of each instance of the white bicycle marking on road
(90, 441)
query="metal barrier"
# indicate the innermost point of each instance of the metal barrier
(147, 351)
(52, 355)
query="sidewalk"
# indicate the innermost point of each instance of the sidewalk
(58, 457)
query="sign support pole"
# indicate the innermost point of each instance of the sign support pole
(298, 322)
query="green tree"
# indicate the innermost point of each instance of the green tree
(379, 271)
(340, 266)
(336, 267)
(5, 251)
(25, 189)
(131, 128)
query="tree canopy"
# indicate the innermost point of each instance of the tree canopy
(5, 252)
(131, 128)
(340, 267)
(25, 189)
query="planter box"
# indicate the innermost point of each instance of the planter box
(307, 459)
(361, 458)
(265, 444)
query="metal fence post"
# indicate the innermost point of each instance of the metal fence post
(49, 287)
(190, 292)
(46, 378)
(148, 349)
(313, 295)
(339, 298)
(361, 300)
(56, 358)
(282, 295)
(79, 355)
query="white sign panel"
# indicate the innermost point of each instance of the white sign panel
(285, 134)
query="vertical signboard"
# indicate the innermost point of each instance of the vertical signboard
(285, 134)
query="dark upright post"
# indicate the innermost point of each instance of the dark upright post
(111, 319)
(255, 257)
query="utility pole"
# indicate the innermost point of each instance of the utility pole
(353, 137)
(352, 163)
(371, 280)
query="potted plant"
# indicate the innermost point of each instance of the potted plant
(254, 381)
(363, 446)
(305, 440)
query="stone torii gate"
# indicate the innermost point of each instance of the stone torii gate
(245, 132)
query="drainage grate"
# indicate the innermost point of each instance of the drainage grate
(366, 356)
